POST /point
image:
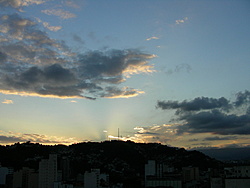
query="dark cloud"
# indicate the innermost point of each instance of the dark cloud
(215, 122)
(8, 139)
(31, 137)
(10, 3)
(3, 57)
(193, 140)
(78, 39)
(216, 138)
(200, 103)
(179, 68)
(211, 115)
(34, 64)
(242, 98)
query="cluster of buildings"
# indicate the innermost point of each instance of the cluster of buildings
(48, 176)
(53, 173)
(163, 176)
(233, 177)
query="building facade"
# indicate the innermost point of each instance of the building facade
(48, 172)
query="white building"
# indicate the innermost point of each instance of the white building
(48, 172)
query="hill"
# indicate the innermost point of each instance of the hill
(228, 153)
(123, 161)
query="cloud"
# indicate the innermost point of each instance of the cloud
(157, 133)
(242, 98)
(77, 39)
(33, 64)
(152, 38)
(181, 20)
(19, 3)
(6, 101)
(216, 138)
(179, 68)
(12, 137)
(125, 92)
(73, 4)
(197, 104)
(151, 134)
(215, 122)
(62, 14)
(48, 26)
(211, 115)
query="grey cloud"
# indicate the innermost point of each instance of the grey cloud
(75, 81)
(77, 39)
(147, 133)
(16, 26)
(216, 138)
(193, 140)
(114, 92)
(33, 63)
(210, 115)
(8, 139)
(54, 74)
(199, 103)
(19, 3)
(11, 3)
(242, 98)
(3, 57)
(179, 68)
(111, 63)
(215, 122)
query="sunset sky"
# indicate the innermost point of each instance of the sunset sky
(167, 71)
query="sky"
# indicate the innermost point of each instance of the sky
(165, 71)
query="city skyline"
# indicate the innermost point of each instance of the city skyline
(174, 72)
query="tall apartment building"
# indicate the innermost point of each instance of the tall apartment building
(95, 179)
(48, 172)
(4, 171)
(150, 168)
(25, 178)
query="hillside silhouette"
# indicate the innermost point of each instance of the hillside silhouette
(123, 161)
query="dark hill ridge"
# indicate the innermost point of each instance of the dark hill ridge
(107, 155)
(228, 153)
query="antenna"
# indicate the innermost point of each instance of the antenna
(118, 134)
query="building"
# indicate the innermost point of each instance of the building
(94, 179)
(48, 172)
(150, 168)
(217, 182)
(190, 177)
(237, 183)
(65, 168)
(25, 178)
(160, 175)
(62, 185)
(4, 171)
(237, 176)
(163, 182)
